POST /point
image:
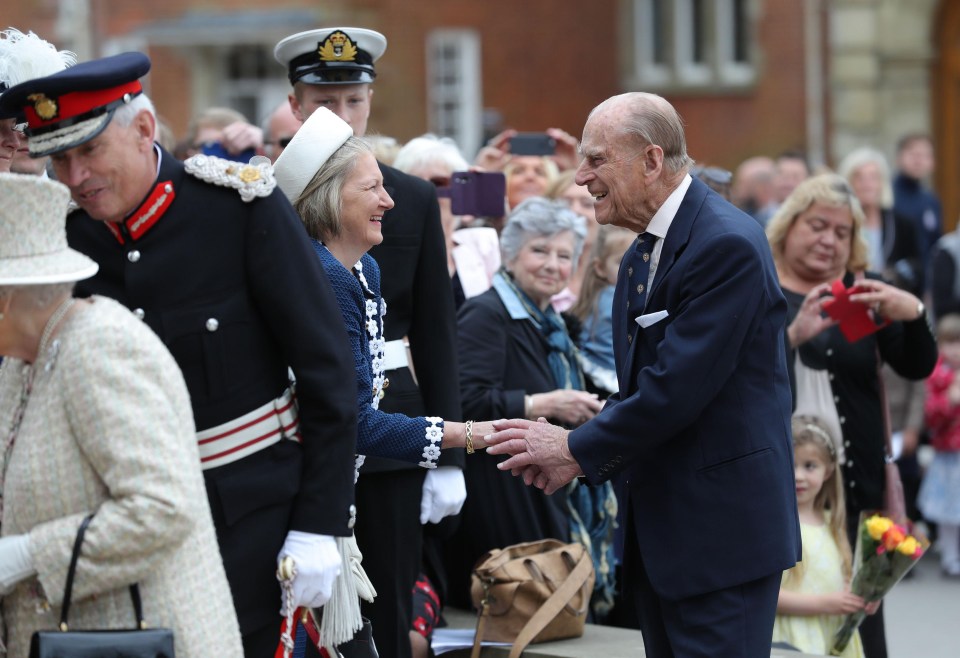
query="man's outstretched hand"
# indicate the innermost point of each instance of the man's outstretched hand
(539, 452)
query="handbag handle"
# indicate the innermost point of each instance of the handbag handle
(547, 611)
(68, 588)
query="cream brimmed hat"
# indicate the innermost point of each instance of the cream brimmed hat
(318, 138)
(33, 233)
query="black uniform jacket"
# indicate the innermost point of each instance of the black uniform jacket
(237, 294)
(416, 286)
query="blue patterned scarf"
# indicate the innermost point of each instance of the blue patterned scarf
(562, 358)
(591, 511)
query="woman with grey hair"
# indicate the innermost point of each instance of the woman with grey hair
(96, 420)
(334, 182)
(892, 242)
(517, 361)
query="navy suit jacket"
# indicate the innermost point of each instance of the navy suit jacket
(700, 428)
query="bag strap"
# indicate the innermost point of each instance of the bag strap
(561, 596)
(72, 570)
(553, 605)
(882, 392)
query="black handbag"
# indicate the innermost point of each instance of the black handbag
(139, 642)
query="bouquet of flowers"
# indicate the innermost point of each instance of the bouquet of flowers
(885, 553)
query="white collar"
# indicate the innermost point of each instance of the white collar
(661, 221)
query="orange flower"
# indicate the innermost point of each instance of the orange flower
(892, 538)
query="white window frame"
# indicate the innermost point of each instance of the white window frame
(264, 92)
(720, 70)
(689, 72)
(460, 87)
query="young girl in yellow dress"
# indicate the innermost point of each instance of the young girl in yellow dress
(815, 594)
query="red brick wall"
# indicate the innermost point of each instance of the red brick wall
(544, 63)
(766, 120)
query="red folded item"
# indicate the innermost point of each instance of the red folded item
(854, 318)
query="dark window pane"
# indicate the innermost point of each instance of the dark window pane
(698, 32)
(741, 32)
(658, 17)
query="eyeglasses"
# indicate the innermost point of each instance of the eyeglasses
(283, 142)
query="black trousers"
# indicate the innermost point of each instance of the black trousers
(390, 537)
(736, 622)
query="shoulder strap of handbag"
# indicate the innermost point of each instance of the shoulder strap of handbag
(882, 391)
(71, 571)
(546, 613)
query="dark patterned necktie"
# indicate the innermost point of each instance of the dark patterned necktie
(638, 272)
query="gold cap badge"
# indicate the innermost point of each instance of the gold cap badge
(46, 108)
(338, 47)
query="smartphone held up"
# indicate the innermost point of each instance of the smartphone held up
(477, 193)
(532, 144)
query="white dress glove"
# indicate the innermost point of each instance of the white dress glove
(444, 491)
(318, 564)
(16, 562)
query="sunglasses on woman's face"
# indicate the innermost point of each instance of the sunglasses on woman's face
(283, 142)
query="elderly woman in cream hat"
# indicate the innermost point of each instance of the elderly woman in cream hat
(95, 420)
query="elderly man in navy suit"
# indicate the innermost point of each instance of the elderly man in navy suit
(699, 432)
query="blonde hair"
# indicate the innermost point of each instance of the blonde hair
(830, 190)
(948, 328)
(560, 183)
(829, 501)
(587, 301)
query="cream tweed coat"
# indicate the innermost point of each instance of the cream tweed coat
(108, 430)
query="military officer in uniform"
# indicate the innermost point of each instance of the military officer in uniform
(218, 264)
(334, 68)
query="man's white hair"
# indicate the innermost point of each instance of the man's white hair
(123, 115)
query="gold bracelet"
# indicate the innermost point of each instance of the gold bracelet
(470, 449)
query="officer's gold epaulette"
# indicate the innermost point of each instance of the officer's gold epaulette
(251, 180)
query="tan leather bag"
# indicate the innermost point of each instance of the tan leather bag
(533, 592)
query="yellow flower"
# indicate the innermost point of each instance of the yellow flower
(877, 525)
(909, 546)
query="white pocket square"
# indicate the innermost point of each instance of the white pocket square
(649, 319)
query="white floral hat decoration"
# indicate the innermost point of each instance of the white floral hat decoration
(33, 234)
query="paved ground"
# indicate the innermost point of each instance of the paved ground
(922, 614)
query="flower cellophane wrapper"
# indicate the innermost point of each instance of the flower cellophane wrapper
(885, 552)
